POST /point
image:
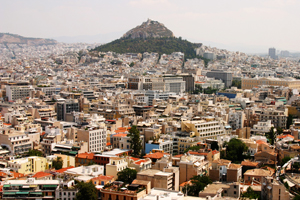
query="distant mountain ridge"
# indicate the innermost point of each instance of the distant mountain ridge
(8, 38)
(148, 29)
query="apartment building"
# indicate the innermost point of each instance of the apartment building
(29, 165)
(278, 116)
(190, 165)
(262, 127)
(47, 90)
(68, 106)
(226, 77)
(236, 119)
(30, 189)
(94, 135)
(159, 179)
(14, 92)
(209, 128)
(174, 84)
(116, 164)
(273, 190)
(17, 142)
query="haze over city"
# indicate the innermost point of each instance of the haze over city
(247, 26)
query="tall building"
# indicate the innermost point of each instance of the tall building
(14, 92)
(68, 106)
(226, 77)
(95, 136)
(272, 53)
(189, 82)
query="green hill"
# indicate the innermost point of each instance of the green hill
(158, 45)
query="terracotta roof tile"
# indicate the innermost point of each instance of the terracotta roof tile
(89, 156)
(63, 169)
(41, 174)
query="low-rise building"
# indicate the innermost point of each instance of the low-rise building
(29, 165)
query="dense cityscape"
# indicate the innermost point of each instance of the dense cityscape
(81, 123)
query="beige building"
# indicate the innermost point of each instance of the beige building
(29, 165)
(17, 142)
(272, 190)
(115, 165)
(190, 166)
(95, 136)
(210, 128)
(249, 83)
(159, 179)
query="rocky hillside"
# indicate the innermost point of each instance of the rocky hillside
(8, 38)
(148, 29)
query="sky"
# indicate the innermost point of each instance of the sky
(251, 26)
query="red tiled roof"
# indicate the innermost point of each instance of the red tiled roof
(156, 155)
(89, 156)
(215, 152)
(284, 136)
(120, 135)
(63, 169)
(108, 144)
(250, 164)
(178, 156)
(134, 159)
(140, 161)
(17, 175)
(41, 174)
(260, 142)
(102, 177)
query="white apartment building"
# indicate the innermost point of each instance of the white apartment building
(261, 127)
(236, 119)
(210, 128)
(174, 84)
(18, 92)
(95, 136)
(47, 90)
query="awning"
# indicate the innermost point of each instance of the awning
(9, 193)
(73, 152)
(16, 185)
(6, 185)
(52, 186)
(37, 193)
(33, 185)
(22, 192)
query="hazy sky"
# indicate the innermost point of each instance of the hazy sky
(249, 25)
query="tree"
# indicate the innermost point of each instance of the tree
(285, 160)
(251, 194)
(235, 150)
(57, 163)
(297, 197)
(34, 152)
(86, 191)
(296, 166)
(135, 141)
(271, 136)
(237, 83)
(193, 148)
(127, 175)
(198, 184)
(279, 130)
(289, 121)
(131, 64)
